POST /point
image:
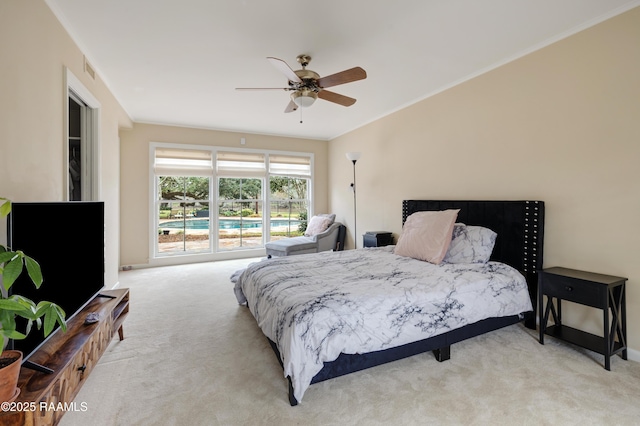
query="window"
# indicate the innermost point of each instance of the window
(182, 204)
(240, 199)
(240, 212)
(252, 191)
(289, 195)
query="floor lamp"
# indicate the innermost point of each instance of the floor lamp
(353, 157)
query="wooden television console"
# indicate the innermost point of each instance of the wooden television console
(45, 397)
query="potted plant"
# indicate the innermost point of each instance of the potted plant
(12, 306)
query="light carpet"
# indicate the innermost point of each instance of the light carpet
(193, 356)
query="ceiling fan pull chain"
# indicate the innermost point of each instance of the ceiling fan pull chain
(300, 114)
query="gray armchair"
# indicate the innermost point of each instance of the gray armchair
(331, 239)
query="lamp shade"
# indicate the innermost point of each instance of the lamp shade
(304, 98)
(353, 156)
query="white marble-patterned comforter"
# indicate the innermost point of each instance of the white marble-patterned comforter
(316, 306)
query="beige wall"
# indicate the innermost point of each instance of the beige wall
(134, 176)
(560, 125)
(34, 51)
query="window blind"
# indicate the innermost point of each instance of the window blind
(241, 164)
(290, 165)
(182, 162)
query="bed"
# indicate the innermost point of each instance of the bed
(334, 313)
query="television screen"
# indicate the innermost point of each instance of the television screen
(67, 240)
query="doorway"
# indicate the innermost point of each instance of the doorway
(76, 150)
(82, 143)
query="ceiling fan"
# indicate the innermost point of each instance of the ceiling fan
(307, 86)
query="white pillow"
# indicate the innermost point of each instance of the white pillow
(470, 244)
(317, 225)
(330, 216)
(427, 235)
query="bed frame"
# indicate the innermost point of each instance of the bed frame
(520, 229)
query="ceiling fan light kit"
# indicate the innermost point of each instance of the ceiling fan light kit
(304, 98)
(307, 86)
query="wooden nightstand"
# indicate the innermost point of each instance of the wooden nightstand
(586, 288)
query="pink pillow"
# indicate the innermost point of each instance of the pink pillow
(317, 225)
(427, 235)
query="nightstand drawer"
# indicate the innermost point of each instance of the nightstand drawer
(573, 290)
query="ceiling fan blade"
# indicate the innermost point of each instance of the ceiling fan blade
(336, 98)
(285, 69)
(291, 107)
(263, 88)
(346, 76)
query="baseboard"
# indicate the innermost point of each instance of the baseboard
(633, 355)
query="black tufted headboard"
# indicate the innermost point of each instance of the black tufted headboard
(519, 225)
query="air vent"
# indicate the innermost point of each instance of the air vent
(89, 69)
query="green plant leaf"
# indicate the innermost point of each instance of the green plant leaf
(11, 272)
(16, 305)
(34, 271)
(41, 309)
(52, 314)
(60, 317)
(27, 329)
(5, 208)
(11, 304)
(16, 335)
(49, 323)
(5, 255)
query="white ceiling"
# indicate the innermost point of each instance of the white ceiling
(178, 62)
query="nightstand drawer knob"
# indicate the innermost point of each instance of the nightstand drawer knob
(568, 288)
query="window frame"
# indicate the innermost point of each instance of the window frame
(214, 199)
(240, 201)
(290, 200)
(156, 205)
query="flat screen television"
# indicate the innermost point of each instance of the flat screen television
(67, 240)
